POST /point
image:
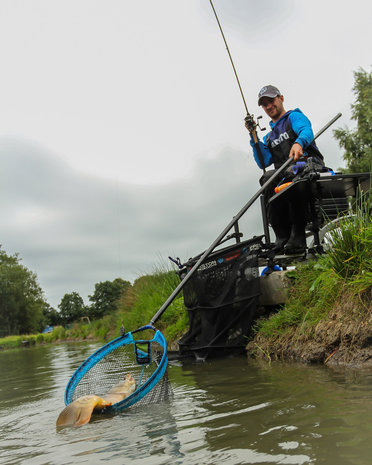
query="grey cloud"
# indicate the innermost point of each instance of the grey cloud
(74, 230)
(236, 18)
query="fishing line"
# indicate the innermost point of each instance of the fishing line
(249, 120)
(231, 60)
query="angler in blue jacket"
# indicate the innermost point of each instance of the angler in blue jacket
(291, 136)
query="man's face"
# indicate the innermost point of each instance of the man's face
(273, 107)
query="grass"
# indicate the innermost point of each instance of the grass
(13, 342)
(147, 295)
(346, 269)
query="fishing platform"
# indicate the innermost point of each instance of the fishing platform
(238, 283)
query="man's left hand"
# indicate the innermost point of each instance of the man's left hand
(296, 151)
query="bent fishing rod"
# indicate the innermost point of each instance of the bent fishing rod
(251, 124)
(235, 219)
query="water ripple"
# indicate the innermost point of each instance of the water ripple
(231, 412)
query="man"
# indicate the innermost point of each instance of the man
(291, 136)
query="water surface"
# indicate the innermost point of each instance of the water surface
(231, 411)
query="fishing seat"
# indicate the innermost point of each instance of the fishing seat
(326, 197)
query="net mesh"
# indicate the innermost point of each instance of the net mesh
(221, 300)
(106, 368)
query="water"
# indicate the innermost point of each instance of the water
(231, 411)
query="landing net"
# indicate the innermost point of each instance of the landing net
(145, 359)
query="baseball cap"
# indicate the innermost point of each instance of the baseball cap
(268, 91)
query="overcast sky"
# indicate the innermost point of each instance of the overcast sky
(121, 123)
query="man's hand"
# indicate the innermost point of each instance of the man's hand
(250, 124)
(296, 151)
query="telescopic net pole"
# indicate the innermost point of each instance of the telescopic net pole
(319, 133)
(217, 241)
(228, 227)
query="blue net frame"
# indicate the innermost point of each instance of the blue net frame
(145, 359)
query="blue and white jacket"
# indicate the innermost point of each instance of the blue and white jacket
(292, 127)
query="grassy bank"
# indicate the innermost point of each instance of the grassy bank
(328, 315)
(28, 340)
(135, 309)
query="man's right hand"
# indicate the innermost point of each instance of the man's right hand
(296, 152)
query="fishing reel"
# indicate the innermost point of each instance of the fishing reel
(251, 124)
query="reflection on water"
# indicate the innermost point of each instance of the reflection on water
(231, 411)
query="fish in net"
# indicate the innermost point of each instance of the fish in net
(143, 357)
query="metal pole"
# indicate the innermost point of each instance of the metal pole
(227, 229)
(319, 133)
(217, 241)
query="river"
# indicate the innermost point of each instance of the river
(231, 411)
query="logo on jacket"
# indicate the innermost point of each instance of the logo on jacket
(283, 136)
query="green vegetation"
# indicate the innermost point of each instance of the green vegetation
(147, 295)
(106, 296)
(345, 272)
(71, 308)
(13, 342)
(134, 309)
(357, 142)
(22, 305)
(104, 301)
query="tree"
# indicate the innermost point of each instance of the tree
(106, 296)
(21, 298)
(72, 307)
(51, 316)
(357, 142)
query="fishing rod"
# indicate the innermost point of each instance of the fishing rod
(251, 124)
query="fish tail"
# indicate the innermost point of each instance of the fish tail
(79, 412)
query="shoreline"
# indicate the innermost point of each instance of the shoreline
(344, 338)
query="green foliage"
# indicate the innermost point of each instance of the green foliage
(51, 316)
(315, 288)
(21, 299)
(106, 296)
(346, 268)
(136, 306)
(357, 142)
(147, 296)
(40, 338)
(351, 253)
(58, 333)
(11, 342)
(31, 340)
(72, 307)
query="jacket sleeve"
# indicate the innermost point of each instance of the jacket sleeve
(302, 127)
(266, 154)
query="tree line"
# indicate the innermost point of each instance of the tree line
(24, 310)
(104, 300)
(22, 305)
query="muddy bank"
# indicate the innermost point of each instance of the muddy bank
(343, 338)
